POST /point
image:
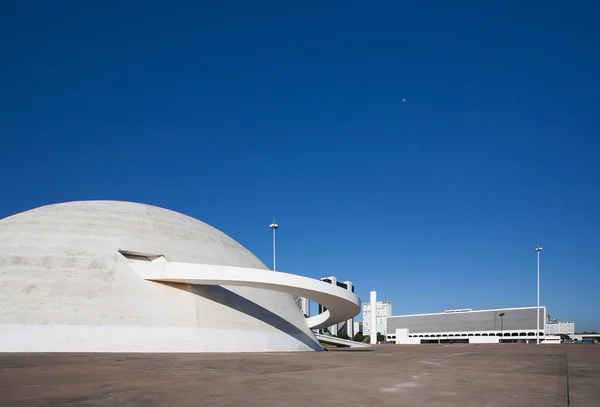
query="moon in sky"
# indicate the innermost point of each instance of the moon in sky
(403, 100)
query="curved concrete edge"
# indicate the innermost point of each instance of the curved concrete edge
(341, 304)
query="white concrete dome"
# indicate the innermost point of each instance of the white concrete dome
(65, 285)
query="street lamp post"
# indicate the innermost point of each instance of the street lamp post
(501, 315)
(274, 227)
(537, 328)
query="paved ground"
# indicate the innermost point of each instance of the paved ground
(391, 375)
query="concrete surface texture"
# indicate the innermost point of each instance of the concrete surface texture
(389, 375)
(65, 286)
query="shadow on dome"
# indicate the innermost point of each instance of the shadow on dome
(235, 301)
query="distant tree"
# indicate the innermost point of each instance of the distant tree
(367, 339)
(565, 338)
(380, 337)
(359, 337)
(343, 335)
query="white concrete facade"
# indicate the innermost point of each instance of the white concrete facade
(372, 318)
(560, 328)
(350, 321)
(404, 336)
(347, 326)
(383, 310)
(67, 285)
(469, 326)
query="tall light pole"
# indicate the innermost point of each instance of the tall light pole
(501, 315)
(538, 250)
(274, 226)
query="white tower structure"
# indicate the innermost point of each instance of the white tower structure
(350, 322)
(373, 317)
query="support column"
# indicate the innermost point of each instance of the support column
(373, 330)
(306, 307)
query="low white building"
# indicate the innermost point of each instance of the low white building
(470, 326)
(383, 311)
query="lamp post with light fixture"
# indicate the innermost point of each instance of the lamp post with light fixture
(274, 227)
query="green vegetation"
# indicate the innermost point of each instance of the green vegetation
(343, 335)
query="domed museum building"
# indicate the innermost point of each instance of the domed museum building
(110, 276)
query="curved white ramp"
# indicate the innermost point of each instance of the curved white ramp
(341, 342)
(341, 304)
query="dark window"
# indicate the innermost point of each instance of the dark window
(455, 340)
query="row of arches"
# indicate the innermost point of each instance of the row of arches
(505, 334)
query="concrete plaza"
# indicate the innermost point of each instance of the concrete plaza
(389, 375)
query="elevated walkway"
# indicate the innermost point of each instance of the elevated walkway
(334, 340)
(340, 305)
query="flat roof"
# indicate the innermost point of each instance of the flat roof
(466, 312)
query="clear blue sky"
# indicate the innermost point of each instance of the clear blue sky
(240, 112)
